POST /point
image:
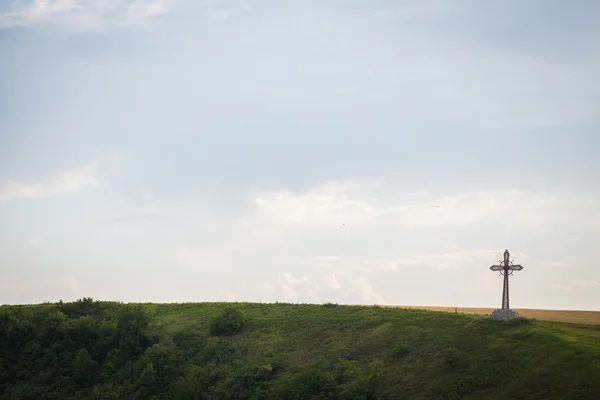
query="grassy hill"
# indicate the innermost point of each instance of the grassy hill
(95, 350)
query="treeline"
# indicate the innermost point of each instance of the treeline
(85, 349)
(103, 350)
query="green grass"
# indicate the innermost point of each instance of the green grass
(334, 351)
(425, 354)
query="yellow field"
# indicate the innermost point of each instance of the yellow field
(578, 317)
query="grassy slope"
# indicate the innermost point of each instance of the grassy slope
(427, 354)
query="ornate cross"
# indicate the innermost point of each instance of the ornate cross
(506, 268)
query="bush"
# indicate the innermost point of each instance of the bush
(313, 382)
(400, 350)
(194, 383)
(451, 355)
(375, 378)
(82, 307)
(88, 351)
(229, 322)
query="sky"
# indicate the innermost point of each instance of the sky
(347, 151)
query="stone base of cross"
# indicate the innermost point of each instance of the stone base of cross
(505, 314)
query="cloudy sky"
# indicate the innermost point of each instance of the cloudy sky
(351, 151)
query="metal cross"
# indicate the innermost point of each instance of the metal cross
(506, 268)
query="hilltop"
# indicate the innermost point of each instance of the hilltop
(573, 316)
(102, 350)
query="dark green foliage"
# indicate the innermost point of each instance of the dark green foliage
(105, 351)
(345, 379)
(193, 385)
(230, 321)
(450, 356)
(82, 307)
(400, 350)
(51, 354)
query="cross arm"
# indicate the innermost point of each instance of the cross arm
(515, 267)
(496, 268)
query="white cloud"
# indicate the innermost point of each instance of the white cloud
(6, 282)
(326, 288)
(328, 204)
(387, 246)
(34, 242)
(82, 15)
(64, 181)
(75, 291)
(350, 205)
(578, 285)
(289, 294)
(221, 10)
(326, 262)
(455, 260)
(328, 258)
(21, 289)
(140, 11)
(288, 279)
(366, 292)
(298, 227)
(230, 296)
(555, 264)
(332, 282)
(419, 194)
(292, 288)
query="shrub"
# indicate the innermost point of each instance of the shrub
(82, 307)
(450, 355)
(400, 350)
(313, 382)
(193, 384)
(375, 378)
(229, 322)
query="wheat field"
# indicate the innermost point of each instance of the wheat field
(577, 317)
